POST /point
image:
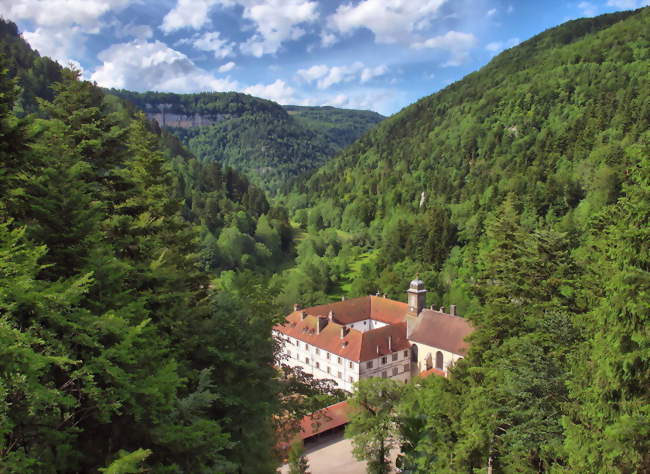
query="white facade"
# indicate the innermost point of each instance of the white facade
(396, 366)
(344, 372)
(366, 325)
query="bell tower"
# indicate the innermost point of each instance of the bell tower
(416, 296)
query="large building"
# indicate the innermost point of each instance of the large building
(372, 336)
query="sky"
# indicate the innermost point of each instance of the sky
(377, 55)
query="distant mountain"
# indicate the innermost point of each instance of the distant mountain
(269, 142)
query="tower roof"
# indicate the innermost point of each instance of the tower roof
(417, 285)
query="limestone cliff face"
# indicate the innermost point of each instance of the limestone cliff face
(167, 118)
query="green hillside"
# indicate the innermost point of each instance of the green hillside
(520, 193)
(268, 142)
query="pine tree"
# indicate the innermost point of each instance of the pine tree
(608, 427)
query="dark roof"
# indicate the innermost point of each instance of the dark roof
(442, 330)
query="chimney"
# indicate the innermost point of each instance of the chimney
(303, 315)
(296, 307)
(452, 309)
(342, 298)
(378, 294)
(330, 316)
(344, 331)
(322, 322)
(385, 295)
(377, 349)
(390, 343)
(442, 309)
(433, 308)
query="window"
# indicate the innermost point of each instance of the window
(306, 346)
(328, 370)
(317, 365)
(306, 360)
(351, 379)
(317, 350)
(406, 354)
(350, 364)
(384, 374)
(394, 371)
(439, 360)
(328, 356)
(395, 356)
(340, 361)
(383, 360)
(406, 368)
(340, 375)
(369, 365)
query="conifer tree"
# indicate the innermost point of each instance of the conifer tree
(608, 427)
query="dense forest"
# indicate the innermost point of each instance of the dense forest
(139, 280)
(272, 144)
(521, 194)
(119, 349)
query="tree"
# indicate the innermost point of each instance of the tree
(372, 425)
(298, 463)
(608, 425)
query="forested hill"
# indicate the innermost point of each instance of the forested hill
(521, 194)
(120, 349)
(269, 142)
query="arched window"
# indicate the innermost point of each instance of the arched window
(440, 359)
(429, 362)
(414, 353)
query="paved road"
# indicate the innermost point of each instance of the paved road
(332, 454)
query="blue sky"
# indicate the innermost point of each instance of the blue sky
(371, 54)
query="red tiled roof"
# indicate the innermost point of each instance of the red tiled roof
(366, 307)
(325, 419)
(442, 330)
(354, 345)
(433, 371)
(378, 338)
(387, 310)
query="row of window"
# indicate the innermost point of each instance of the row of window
(384, 373)
(328, 355)
(384, 360)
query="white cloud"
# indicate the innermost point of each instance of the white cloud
(497, 46)
(229, 66)
(588, 8)
(369, 73)
(187, 13)
(327, 76)
(143, 65)
(278, 91)
(313, 73)
(628, 4)
(275, 21)
(456, 43)
(211, 41)
(57, 44)
(135, 31)
(390, 21)
(491, 12)
(327, 39)
(61, 13)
